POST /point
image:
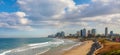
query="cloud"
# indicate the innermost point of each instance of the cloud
(112, 19)
(101, 7)
(14, 20)
(42, 8)
(62, 14)
(56, 13)
(20, 14)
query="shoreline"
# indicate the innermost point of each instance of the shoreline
(62, 48)
(88, 47)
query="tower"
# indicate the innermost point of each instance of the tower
(84, 32)
(93, 32)
(81, 33)
(111, 33)
(78, 33)
(62, 34)
(106, 31)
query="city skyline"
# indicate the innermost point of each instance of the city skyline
(30, 18)
(85, 33)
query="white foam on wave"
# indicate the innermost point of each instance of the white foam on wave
(43, 52)
(54, 43)
(5, 52)
(36, 44)
(72, 46)
(57, 42)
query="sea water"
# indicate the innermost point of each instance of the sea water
(31, 46)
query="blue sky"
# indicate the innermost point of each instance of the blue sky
(8, 6)
(82, 1)
(29, 18)
(12, 6)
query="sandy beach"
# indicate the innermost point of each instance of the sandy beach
(80, 50)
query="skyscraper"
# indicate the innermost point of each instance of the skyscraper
(81, 31)
(62, 34)
(58, 34)
(93, 32)
(84, 32)
(106, 31)
(89, 33)
(111, 33)
(78, 33)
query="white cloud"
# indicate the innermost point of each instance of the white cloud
(110, 20)
(24, 21)
(45, 8)
(20, 14)
(60, 13)
(63, 13)
(27, 28)
(14, 20)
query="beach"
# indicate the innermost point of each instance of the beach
(82, 49)
(51, 46)
(32, 46)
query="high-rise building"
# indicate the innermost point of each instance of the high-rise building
(58, 34)
(93, 32)
(111, 33)
(78, 33)
(62, 34)
(84, 32)
(89, 33)
(106, 31)
(81, 31)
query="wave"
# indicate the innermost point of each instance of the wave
(42, 52)
(5, 52)
(32, 49)
(77, 44)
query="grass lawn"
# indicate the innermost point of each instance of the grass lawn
(115, 52)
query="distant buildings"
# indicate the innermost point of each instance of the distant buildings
(89, 34)
(62, 34)
(93, 32)
(78, 33)
(111, 33)
(51, 36)
(83, 33)
(106, 31)
(58, 35)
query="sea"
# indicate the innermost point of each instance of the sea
(35, 46)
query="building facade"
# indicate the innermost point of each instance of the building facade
(84, 32)
(93, 32)
(106, 31)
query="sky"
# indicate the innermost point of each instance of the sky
(40, 18)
